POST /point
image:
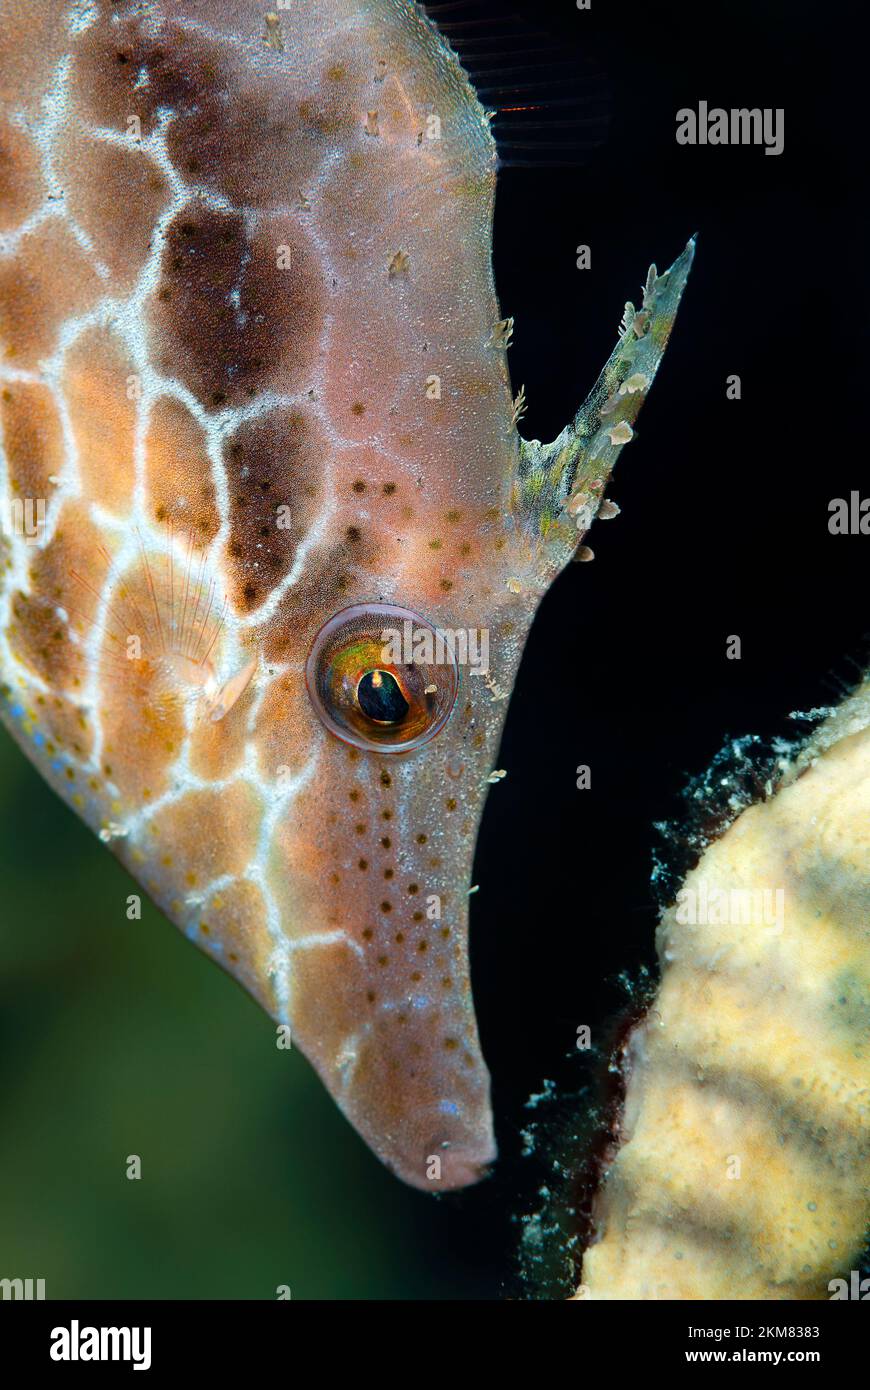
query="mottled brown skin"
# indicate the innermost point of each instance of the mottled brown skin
(280, 274)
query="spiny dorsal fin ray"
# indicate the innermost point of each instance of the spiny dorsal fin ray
(559, 487)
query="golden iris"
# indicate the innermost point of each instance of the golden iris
(369, 684)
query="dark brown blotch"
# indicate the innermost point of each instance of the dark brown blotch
(274, 474)
(226, 318)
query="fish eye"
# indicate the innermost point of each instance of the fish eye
(382, 677)
(379, 695)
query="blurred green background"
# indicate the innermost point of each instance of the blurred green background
(120, 1038)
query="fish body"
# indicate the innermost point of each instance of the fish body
(255, 391)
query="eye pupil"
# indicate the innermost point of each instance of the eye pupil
(380, 697)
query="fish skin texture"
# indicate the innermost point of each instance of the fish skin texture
(254, 366)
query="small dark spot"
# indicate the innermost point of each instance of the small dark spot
(421, 839)
(358, 408)
(386, 841)
(389, 489)
(352, 533)
(413, 888)
(359, 485)
(386, 905)
(386, 779)
(363, 864)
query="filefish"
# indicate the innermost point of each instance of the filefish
(272, 541)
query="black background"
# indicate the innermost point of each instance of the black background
(724, 528)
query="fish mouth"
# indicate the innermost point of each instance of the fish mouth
(382, 1010)
(435, 1149)
(458, 1166)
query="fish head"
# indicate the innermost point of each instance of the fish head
(264, 637)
